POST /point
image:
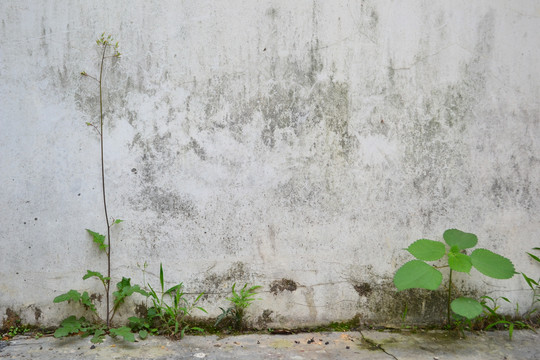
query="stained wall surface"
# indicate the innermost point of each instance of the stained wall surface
(297, 145)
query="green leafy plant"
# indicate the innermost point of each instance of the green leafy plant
(534, 285)
(240, 301)
(17, 329)
(72, 325)
(497, 320)
(404, 316)
(142, 325)
(104, 242)
(418, 274)
(172, 317)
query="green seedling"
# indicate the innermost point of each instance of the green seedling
(172, 316)
(17, 330)
(240, 301)
(534, 285)
(497, 320)
(418, 274)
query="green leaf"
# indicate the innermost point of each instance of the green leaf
(71, 295)
(143, 334)
(462, 239)
(174, 289)
(459, 262)
(118, 221)
(492, 265)
(98, 337)
(454, 249)
(125, 289)
(534, 257)
(86, 301)
(161, 280)
(505, 322)
(135, 321)
(424, 249)
(530, 281)
(97, 274)
(62, 332)
(70, 325)
(467, 307)
(98, 239)
(124, 332)
(417, 274)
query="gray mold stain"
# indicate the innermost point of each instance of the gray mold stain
(165, 203)
(435, 135)
(265, 319)
(214, 282)
(197, 149)
(384, 304)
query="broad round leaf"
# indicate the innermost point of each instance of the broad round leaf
(492, 265)
(459, 238)
(417, 274)
(427, 250)
(459, 262)
(466, 307)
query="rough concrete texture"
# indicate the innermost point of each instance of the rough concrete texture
(351, 345)
(298, 145)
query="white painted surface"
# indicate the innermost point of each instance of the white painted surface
(301, 140)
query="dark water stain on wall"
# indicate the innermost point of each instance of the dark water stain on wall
(214, 282)
(279, 286)
(383, 303)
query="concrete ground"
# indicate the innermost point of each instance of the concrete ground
(432, 345)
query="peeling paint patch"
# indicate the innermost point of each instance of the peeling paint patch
(279, 286)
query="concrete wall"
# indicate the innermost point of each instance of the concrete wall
(298, 145)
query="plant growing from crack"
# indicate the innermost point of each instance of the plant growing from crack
(419, 274)
(72, 325)
(499, 321)
(106, 43)
(171, 317)
(534, 285)
(240, 301)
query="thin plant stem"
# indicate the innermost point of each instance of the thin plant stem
(449, 297)
(108, 286)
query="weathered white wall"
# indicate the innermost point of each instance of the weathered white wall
(293, 143)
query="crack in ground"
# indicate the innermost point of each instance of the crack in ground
(374, 345)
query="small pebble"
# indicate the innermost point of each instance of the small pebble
(347, 347)
(326, 343)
